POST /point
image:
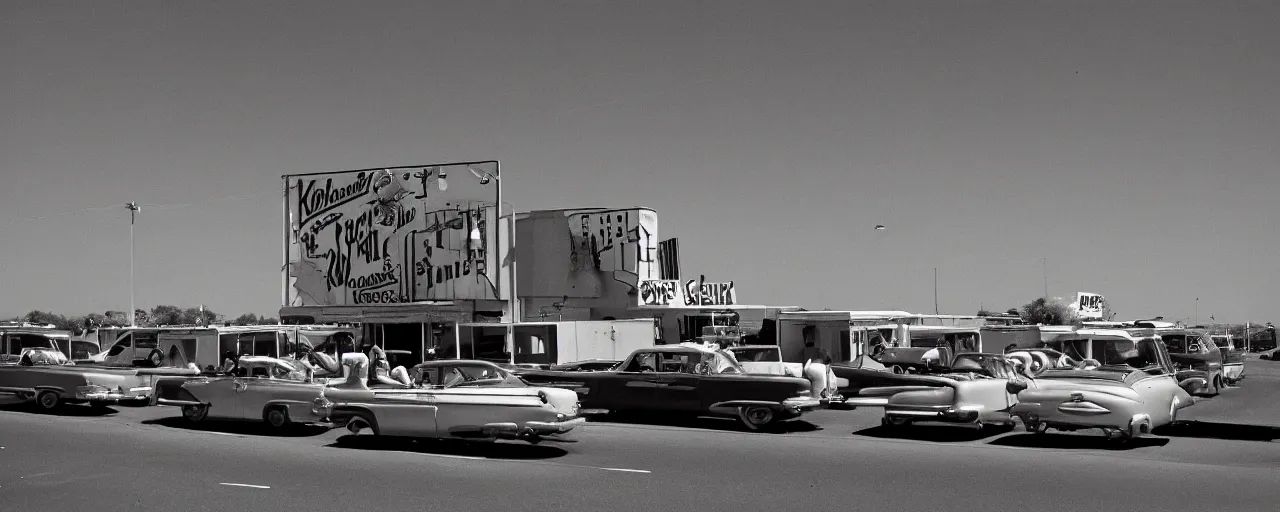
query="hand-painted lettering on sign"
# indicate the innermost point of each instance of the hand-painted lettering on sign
(660, 292)
(1090, 305)
(620, 241)
(385, 237)
(693, 293)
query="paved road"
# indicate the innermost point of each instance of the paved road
(144, 459)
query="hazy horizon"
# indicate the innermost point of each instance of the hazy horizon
(1131, 145)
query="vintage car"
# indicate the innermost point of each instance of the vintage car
(687, 379)
(1126, 387)
(1194, 355)
(589, 365)
(460, 399)
(277, 391)
(968, 389)
(45, 376)
(1232, 358)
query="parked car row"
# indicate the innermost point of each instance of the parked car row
(1125, 382)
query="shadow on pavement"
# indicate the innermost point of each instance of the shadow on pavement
(78, 410)
(249, 428)
(1076, 442)
(708, 423)
(940, 434)
(516, 450)
(1225, 431)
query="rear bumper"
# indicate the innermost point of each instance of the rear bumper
(799, 405)
(536, 428)
(117, 395)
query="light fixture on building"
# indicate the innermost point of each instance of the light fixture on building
(880, 227)
(442, 181)
(484, 177)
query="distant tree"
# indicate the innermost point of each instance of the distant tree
(269, 321)
(47, 318)
(983, 312)
(1048, 312)
(247, 319)
(1013, 311)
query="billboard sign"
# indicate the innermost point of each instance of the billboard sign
(693, 293)
(1090, 306)
(397, 235)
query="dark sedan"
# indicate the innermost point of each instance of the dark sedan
(685, 379)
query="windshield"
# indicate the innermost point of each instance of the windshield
(467, 375)
(287, 370)
(756, 354)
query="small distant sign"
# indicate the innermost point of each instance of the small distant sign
(1090, 306)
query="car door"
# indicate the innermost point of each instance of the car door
(220, 394)
(677, 383)
(631, 388)
(253, 391)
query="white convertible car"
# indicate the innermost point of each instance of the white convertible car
(460, 399)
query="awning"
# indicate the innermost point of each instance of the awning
(418, 312)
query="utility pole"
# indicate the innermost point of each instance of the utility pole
(133, 211)
(935, 290)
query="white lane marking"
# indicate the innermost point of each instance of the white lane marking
(219, 433)
(446, 456)
(244, 485)
(624, 470)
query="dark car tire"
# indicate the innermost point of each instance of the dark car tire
(277, 417)
(48, 400)
(195, 413)
(756, 417)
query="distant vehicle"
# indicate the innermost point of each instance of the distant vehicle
(14, 340)
(1232, 358)
(1194, 355)
(47, 378)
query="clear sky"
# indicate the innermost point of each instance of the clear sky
(1132, 145)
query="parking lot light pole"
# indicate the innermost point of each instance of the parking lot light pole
(133, 212)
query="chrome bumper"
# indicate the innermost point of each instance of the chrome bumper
(101, 396)
(116, 395)
(801, 404)
(944, 413)
(538, 428)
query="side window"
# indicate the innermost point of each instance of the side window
(675, 363)
(8, 347)
(145, 341)
(642, 362)
(121, 345)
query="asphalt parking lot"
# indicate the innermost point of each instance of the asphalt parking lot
(135, 458)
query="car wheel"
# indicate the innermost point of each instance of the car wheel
(48, 400)
(756, 417)
(195, 413)
(277, 417)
